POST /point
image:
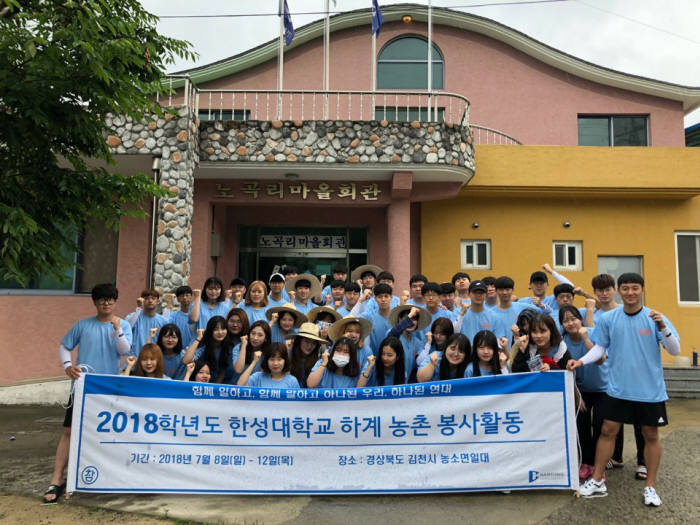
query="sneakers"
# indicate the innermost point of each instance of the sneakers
(595, 489)
(651, 498)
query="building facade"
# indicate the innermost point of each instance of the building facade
(520, 155)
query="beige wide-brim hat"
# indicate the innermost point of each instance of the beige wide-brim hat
(338, 328)
(309, 331)
(312, 314)
(424, 316)
(315, 283)
(299, 317)
(357, 272)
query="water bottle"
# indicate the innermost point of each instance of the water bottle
(695, 356)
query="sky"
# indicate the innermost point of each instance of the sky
(658, 39)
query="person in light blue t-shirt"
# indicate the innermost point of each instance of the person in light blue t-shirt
(211, 304)
(507, 311)
(101, 340)
(338, 368)
(388, 369)
(274, 369)
(284, 322)
(171, 344)
(477, 317)
(450, 364)
(487, 358)
(636, 392)
(145, 320)
(255, 303)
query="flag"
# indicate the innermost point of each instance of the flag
(288, 27)
(377, 18)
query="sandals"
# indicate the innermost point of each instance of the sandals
(54, 490)
(613, 464)
(640, 473)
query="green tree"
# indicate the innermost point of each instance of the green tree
(66, 64)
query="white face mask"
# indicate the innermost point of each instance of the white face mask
(341, 360)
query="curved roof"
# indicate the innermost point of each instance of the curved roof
(689, 96)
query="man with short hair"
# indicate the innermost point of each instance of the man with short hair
(382, 297)
(477, 317)
(276, 296)
(538, 285)
(636, 392)
(236, 291)
(461, 281)
(102, 340)
(352, 295)
(491, 296)
(416, 285)
(507, 311)
(181, 317)
(339, 273)
(387, 278)
(143, 320)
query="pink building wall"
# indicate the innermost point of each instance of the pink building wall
(509, 90)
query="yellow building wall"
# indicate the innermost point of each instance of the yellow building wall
(522, 222)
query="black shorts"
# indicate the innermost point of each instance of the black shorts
(635, 412)
(68, 419)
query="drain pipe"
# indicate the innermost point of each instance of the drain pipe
(155, 167)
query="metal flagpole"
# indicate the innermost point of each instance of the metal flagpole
(430, 57)
(280, 62)
(326, 58)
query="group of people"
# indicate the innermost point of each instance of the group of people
(297, 331)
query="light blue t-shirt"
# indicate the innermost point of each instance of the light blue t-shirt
(505, 319)
(388, 379)
(182, 321)
(635, 372)
(263, 380)
(469, 371)
(436, 373)
(413, 302)
(172, 365)
(548, 300)
(230, 376)
(272, 303)
(333, 380)
(343, 311)
(234, 357)
(98, 344)
(304, 308)
(474, 322)
(141, 330)
(255, 314)
(206, 312)
(380, 327)
(411, 349)
(591, 377)
(277, 336)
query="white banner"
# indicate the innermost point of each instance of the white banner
(506, 432)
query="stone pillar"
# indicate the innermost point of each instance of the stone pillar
(398, 218)
(172, 256)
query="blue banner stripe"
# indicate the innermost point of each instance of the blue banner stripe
(536, 382)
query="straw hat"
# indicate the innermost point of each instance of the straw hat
(314, 312)
(315, 283)
(357, 272)
(299, 317)
(424, 316)
(338, 328)
(309, 331)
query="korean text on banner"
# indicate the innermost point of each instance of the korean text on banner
(144, 435)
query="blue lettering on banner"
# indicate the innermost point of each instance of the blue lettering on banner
(147, 435)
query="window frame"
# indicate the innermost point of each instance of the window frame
(611, 129)
(578, 263)
(695, 234)
(463, 254)
(412, 61)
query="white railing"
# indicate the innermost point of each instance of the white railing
(489, 136)
(186, 98)
(394, 106)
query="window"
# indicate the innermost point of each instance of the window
(567, 255)
(403, 64)
(613, 131)
(476, 254)
(394, 114)
(96, 263)
(688, 266)
(215, 113)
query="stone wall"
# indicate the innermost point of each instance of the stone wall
(330, 142)
(174, 139)
(180, 141)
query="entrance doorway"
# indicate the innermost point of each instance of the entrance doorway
(265, 249)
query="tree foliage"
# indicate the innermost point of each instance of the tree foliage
(66, 64)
